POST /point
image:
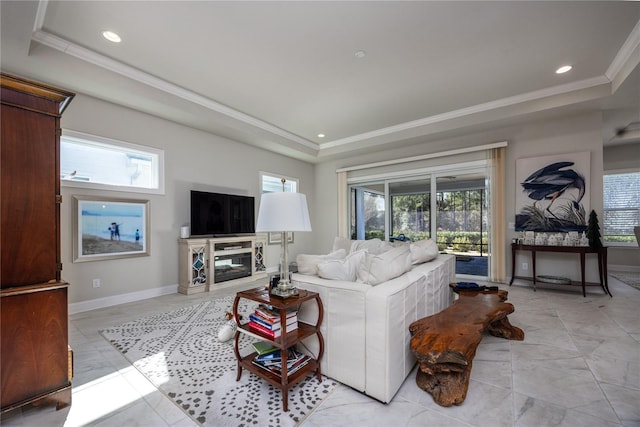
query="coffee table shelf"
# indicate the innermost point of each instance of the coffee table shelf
(283, 342)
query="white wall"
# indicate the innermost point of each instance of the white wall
(193, 160)
(573, 134)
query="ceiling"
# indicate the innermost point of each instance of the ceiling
(277, 74)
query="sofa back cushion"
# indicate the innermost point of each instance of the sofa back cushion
(377, 268)
(308, 264)
(342, 243)
(342, 269)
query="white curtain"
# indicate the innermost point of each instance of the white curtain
(497, 220)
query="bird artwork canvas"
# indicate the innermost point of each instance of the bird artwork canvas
(553, 193)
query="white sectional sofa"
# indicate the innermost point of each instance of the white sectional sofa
(366, 326)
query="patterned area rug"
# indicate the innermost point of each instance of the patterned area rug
(630, 278)
(180, 354)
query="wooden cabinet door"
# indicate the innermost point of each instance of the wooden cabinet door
(29, 152)
(34, 343)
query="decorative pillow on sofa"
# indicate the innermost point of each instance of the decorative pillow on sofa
(423, 251)
(342, 243)
(388, 265)
(370, 245)
(308, 264)
(342, 269)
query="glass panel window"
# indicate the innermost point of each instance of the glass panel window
(271, 183)
(368, 208)
(621, 201)
(410, 209)
(95, 162)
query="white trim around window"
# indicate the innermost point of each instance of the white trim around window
(153, 162)
(267, 180)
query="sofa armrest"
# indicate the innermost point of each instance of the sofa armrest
(390, 310)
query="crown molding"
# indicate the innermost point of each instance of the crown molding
(92, 57)
(625, 55)
(529, 97)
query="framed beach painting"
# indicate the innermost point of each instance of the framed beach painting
(109, 228)
(552, 192)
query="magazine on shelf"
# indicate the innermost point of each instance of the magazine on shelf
(295, 361)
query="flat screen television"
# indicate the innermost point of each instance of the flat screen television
(216, 214)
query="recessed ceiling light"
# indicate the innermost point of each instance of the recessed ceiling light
(321, 135)
(564, 69)
(360, 54)
(111, 36)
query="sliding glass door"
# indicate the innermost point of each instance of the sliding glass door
(449, 206)
(462, 221)
(410, 209)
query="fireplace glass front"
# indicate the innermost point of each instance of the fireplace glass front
(229, 267)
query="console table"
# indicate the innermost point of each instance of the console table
(582, 250)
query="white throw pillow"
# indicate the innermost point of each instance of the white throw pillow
(308, 264)
(342, 243)
(379, 268)
(372, 245)
(385, 246)
(342, 269)
(423, 251)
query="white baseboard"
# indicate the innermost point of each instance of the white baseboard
(80, 307)
(626, 268)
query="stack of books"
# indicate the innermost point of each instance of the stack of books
(272, 360)
(267, 321)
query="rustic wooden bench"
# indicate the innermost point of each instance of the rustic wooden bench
(445, 343)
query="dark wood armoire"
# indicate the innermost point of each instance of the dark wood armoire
(35, 358)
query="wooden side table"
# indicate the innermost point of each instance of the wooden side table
(582, 250)
(283, 342)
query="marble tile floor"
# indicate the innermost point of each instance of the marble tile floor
(579, 365)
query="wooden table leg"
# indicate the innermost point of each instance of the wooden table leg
(584, 292)
(513, 264)
(533, 268)
(603, 270)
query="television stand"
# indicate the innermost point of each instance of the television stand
(213, 263)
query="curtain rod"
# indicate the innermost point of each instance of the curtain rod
(425, 156)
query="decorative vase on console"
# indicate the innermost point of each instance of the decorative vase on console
(584, 240)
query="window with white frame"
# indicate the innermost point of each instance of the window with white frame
(91, 161)
(621, 201)
(271, 183)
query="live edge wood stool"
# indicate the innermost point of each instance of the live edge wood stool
(445, 343)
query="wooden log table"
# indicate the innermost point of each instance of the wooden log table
(445, 343)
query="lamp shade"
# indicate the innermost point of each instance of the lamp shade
(283, 212)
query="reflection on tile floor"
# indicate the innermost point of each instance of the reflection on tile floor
(579, 365)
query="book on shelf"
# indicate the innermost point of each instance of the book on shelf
(263, 330)
(274, 356)
(292, 322)
(262, 348)
(273, 315)
(268, 321)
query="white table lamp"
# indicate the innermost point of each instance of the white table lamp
(282, 213)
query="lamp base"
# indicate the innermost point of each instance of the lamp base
(284, 292)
